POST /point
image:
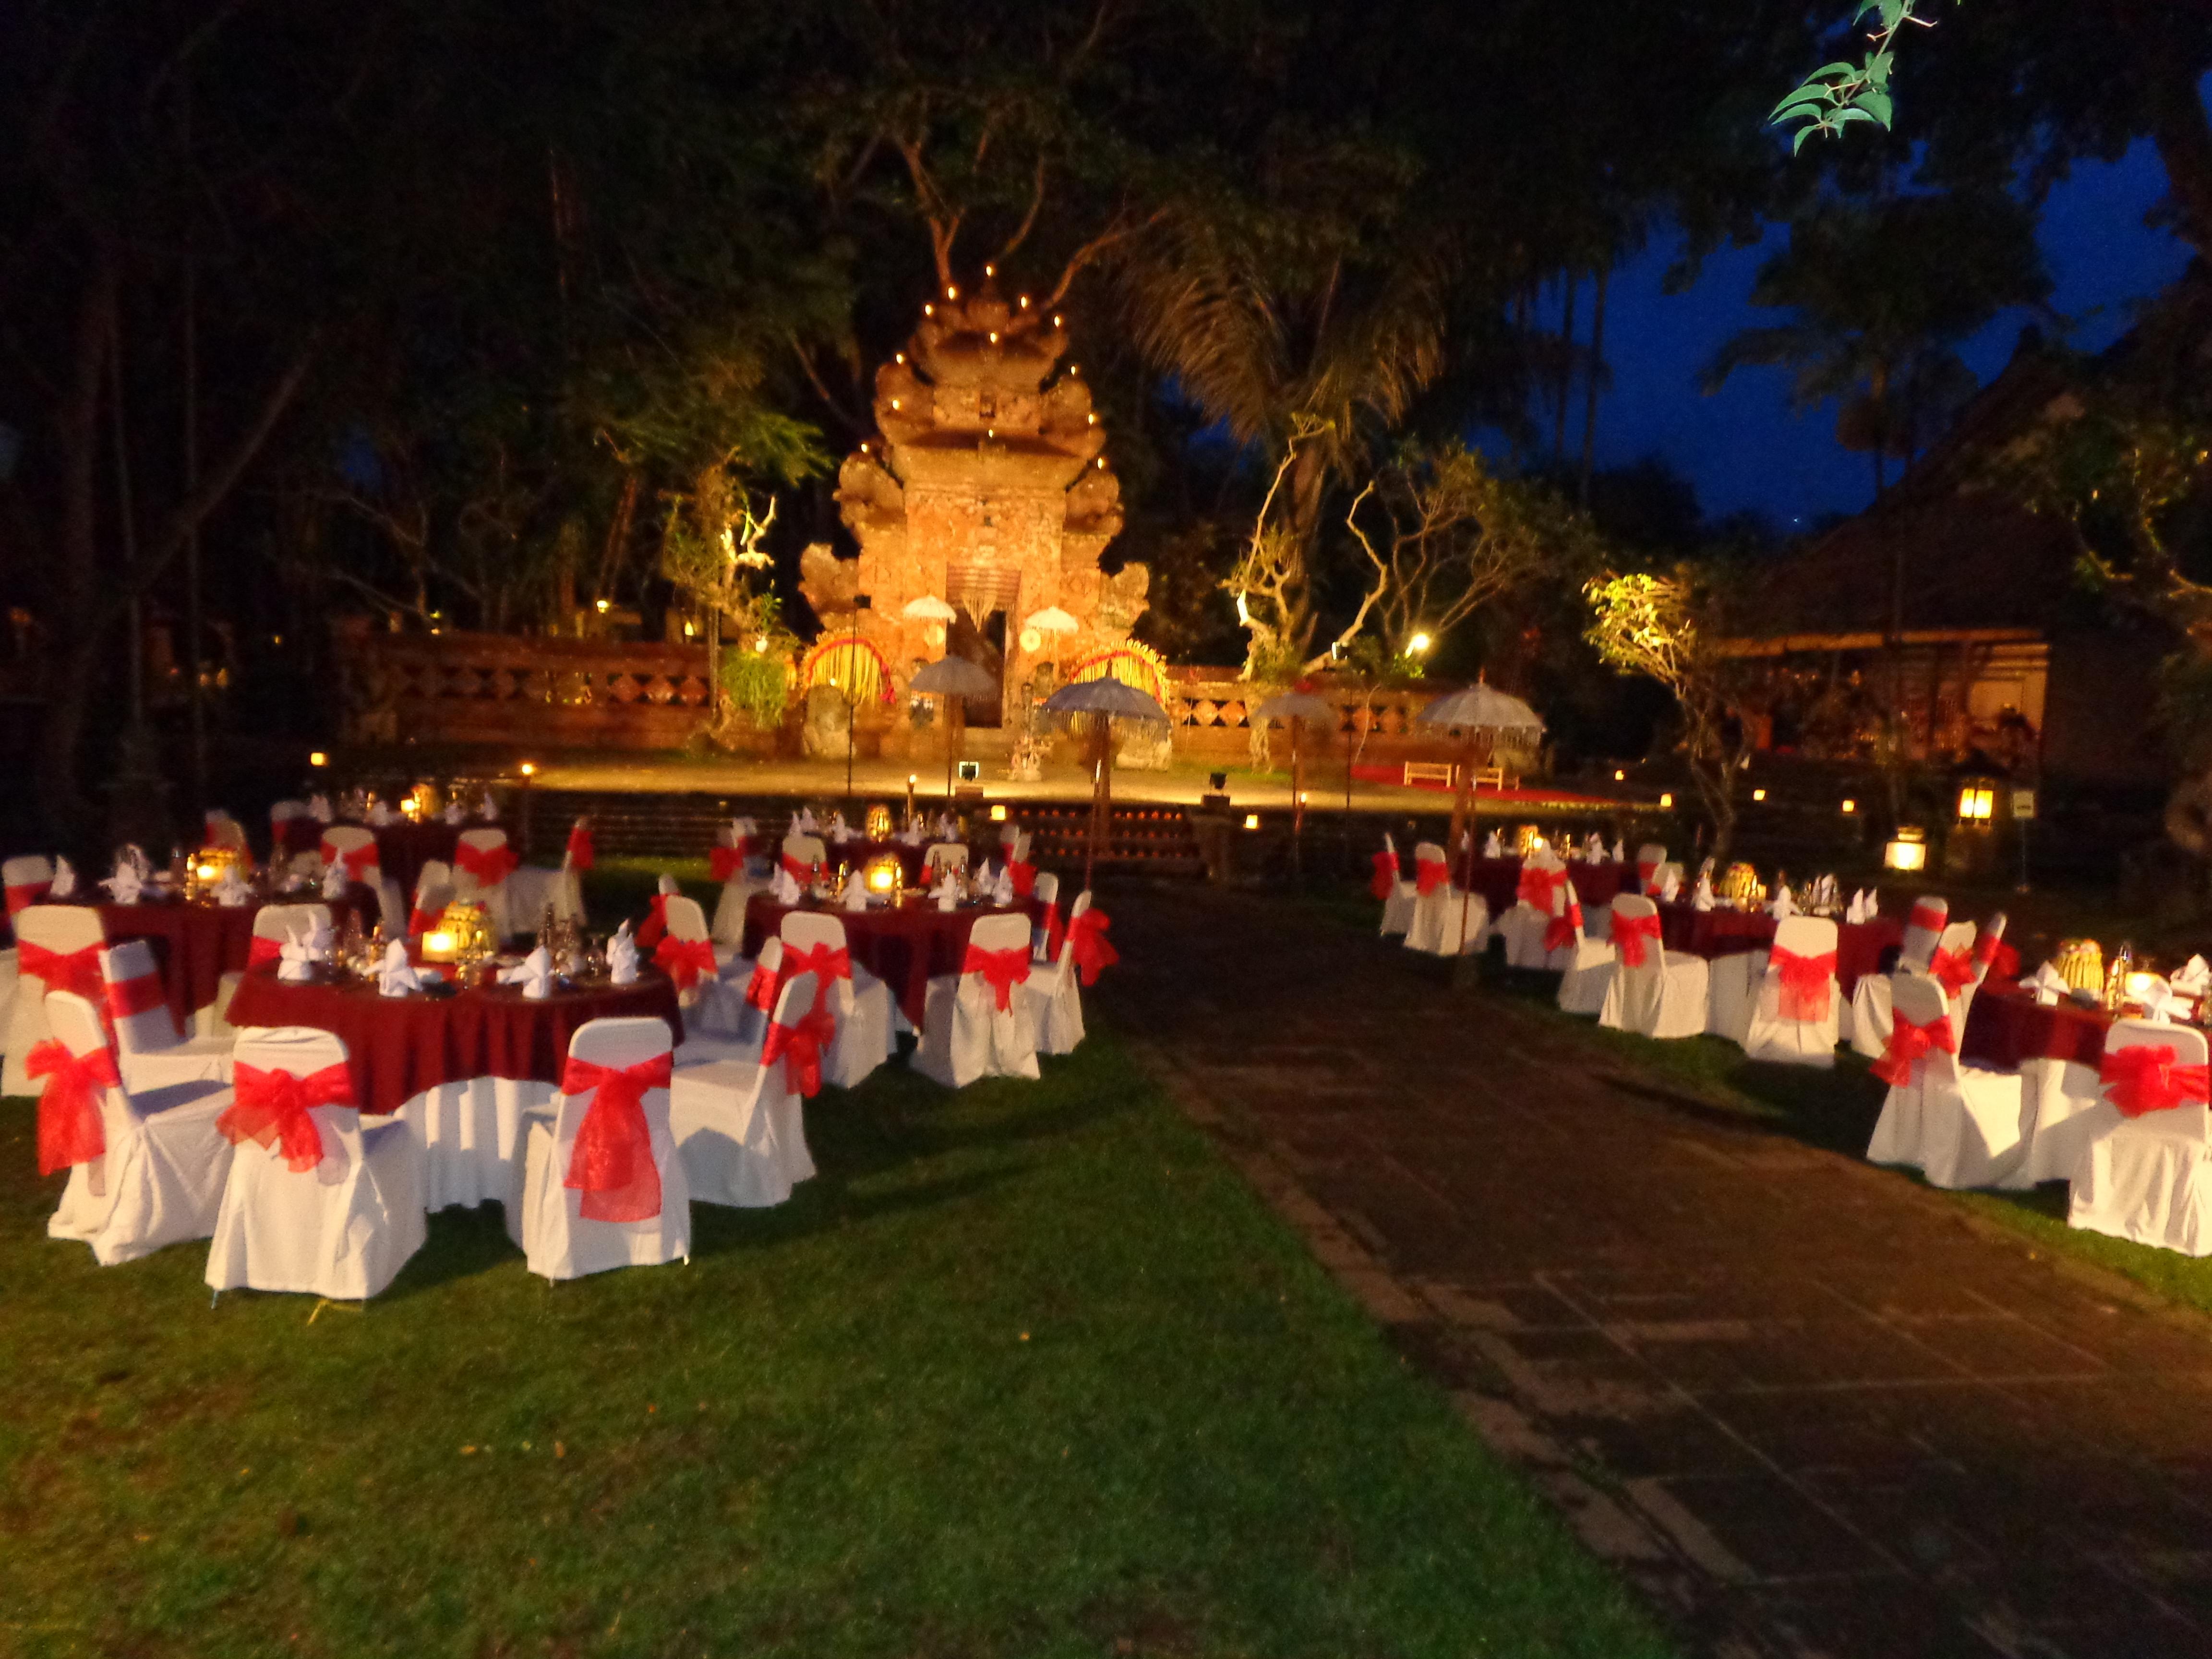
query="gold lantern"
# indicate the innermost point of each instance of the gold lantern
(1741, 887)
(1526, 841)
(462, 936)
(884, 877)
(208, 868)
(879, 823)
(2080, 963)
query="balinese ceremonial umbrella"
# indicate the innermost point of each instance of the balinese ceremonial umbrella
(1105, 700)
(929, 608)
(1481, 712)
(1298, 708)
(955, 679)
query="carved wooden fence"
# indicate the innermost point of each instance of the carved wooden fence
(1212, 711)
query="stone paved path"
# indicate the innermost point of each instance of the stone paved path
(1806, 1405)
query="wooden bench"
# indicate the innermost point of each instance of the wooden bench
(1485, 777)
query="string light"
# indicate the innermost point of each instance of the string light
(990, 271)
(951, 293)
(995, 338)
(1056, 321)
(900, 357)
(927, 311)
(1025, 302)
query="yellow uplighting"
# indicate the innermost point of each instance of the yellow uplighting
(1251, 820)
(998, 812)
(1419, 644)
(319, 758)
(1851, 806)
(1758, 794)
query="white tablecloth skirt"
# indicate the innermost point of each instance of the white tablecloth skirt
(471, 1137)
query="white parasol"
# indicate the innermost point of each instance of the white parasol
(1481, 712)
(929, 608)
(956, 679)
(1109, 700)
(1298, 708)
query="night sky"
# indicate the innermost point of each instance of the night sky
(1743, 448)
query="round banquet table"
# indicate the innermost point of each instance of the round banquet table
(858, 850)
(2007, 1025)
(905, 948)
(403, 1046)
(402, 848)
(1722, 932)
(194, 944)
(1499, 881)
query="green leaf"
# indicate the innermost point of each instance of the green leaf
(1876, 103)
(1804, 102)
(1850, 114)
(1878, 68)
(1804, 133)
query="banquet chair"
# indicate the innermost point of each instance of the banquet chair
(1985, 946)
(2063, 1109)
(739, 1125)
(1528, 921)
(546, 1218)
(859, 1001)
(740, 1038)
(274, 926)
(2147, 1178)
(803, 855)
(1050, 999)
(1868, 1023)
(1650, 992)
(1440, 917)
(433, 891)
(965, 1033)
(1734, 981)
(1589, 969)
(340, 1227)
(1045, 891)
(482, 862)
(57, 949)
(943, 855)
(226, 831)
(1958, 1125)
(1648, 858)
(159, 1178)
(738, 886)
(150, 1051)
(26, 879)
(531, 888)
(1399, 896)
(1795, 1008)
(355, 847)
(687, 956)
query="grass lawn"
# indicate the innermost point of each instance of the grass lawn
(1026, 1371)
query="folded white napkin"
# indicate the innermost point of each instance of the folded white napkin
(805, 822)
(380, 815)
(1620, 851)
(455, 814)
(2162, 1004)
(125, 885)
(2193, 978)
(1002, 890)
(2048, 984)
(64, 879)
(786, 886)
(839, 829)
(1492, 846)
(668, 886)
(622, 956)
(947, 892)
(946, 830)
(1706, 869)
(334, 880)
(534, 973)
(1389, 845)
(743, 829)
(913, 836)
(855, 894)
(318, 808)
(231, 891)
(1594, 848)
(1782, 905)
(487, 809)
(395, 975)
(1671, 888)
(1701, 897)
(296, 957)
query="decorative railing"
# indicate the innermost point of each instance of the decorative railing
(493, 688)
(1212, 711)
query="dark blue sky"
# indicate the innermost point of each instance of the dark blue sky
(1742, 448)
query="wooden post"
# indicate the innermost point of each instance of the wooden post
(1297, 798)
(1102, 793)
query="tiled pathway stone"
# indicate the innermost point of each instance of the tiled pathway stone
(1809, 1408)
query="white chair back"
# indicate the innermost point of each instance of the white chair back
(807, 929)
(302, 1051)
(1921, 999)
(686, 919)
(341, 840)
(1635, 907)
(283, 812)
(64, 929)
(1047, 891)
(137, 1003)
(434, 890)
(74, 1022)
(290, 924)
(1648, 858)
(1985, 947)
(618, 1044)
(26, 878)
(944, 855)
(806, 850)
(224, 830)
(1923, 931)
(479, 840)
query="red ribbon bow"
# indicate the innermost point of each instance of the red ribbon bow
(356, 860)
(275, 1106)
(726, 863)
(2145, 1079)
(1086, 934)
(1644, 874)
(655, 923)
(1806, 982)
(63, 970)
(1629, 933)
(1024, 876)
(1537, 885)
(761, 988)
(1953, 970)
(1429, 874)
(581, 855)
(800, 872)
(824, 961)
(490, 866)
(69, 1107)
(685, 959)
(611, 1163)
(1559, 932)
(1907, 1043)
(1054, 933)
(1002, 970)
(1385, 875)
(23, 895)
(800, 1046)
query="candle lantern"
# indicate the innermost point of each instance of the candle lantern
(879, 822)
(462, 936)
(208, 868)
(884, 877)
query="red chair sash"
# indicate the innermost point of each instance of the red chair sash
(268, 952)
(1385, 882)
(274, 1107)
(1908, 1043)
(580, 854)
(23, 895)
(824, 961)
(761, 988)
(127, 998)
(1002, 970)
(490, 866)
(1629, 935)
(1559, 932)
(1928, 918)
(800, 872)
(1429, 874)
(685, 960)
(726, 863)
(655, 923)
(799, 1047)
(64, 970)
(1807, 983)
(611, 1163)
(1953, 970)
(1023, 877)
(2146, 1079)
(1644, 872)
(69, 1129)
(357, 862)
(1093, 950)
(1054, 933)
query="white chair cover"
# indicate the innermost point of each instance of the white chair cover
(494, 896)
(729, 925)
(2148, 1179)
(468, 1133)
(1960, 1126)
(1524, 925)
(1665, 995)
(1050, 998)
(342, 1230)
(964, 1033)
(433, 891)
(861, 1006)
(1649, 859)
(150, 1052)
(1733, 983)
(2063, 1109)
(64, 929)
(545, 1220)
(943, 855)
(1770, 1032)
(1046, 891)
(1924, 932)
(1589, 971)
(391, 903)
(807, 850)
(161, 1179)
(27, 878)
(740, 1128)
(1398, 906)
(1447, 922)
(531, 887)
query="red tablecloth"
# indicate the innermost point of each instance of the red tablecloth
(194, 944)
(844, 855)
(401, 1046)
(2006, 1025)
(904, 948)
(402, 849)
(1499, 881)
(1722, 933)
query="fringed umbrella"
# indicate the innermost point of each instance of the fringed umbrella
(1106, 701)
(1298, 708)
(1481, 711)
(955, 679)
